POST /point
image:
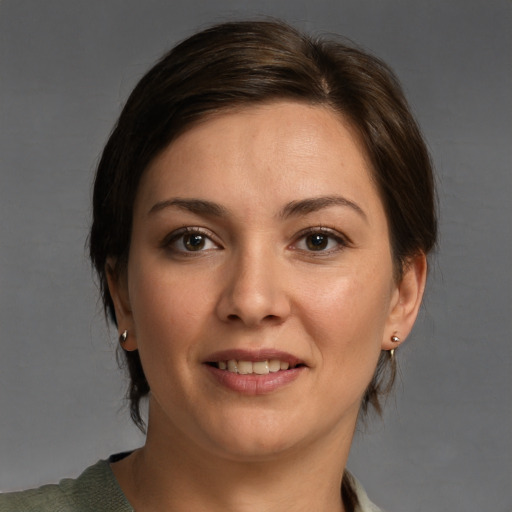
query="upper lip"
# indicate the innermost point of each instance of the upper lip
(261, 354)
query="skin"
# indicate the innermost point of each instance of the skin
(257, 282)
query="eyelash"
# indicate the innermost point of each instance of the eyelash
(331, 235)
(341, 240)
(179, 235)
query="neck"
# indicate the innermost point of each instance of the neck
(169, 473)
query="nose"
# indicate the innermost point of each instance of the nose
(254, 291)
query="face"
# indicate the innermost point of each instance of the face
(259, 289)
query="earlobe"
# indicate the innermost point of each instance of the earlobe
(118, 288)
(409, 294)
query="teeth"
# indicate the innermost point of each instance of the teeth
(261, 367)
(257, 367)
(244, 367)
(274, 365)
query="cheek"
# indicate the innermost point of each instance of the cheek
(169, 317)
(347, 316)
(167, 310)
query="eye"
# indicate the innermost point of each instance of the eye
(320, 240)
(189, 240)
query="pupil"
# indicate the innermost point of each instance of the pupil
(194, 242)
(316, 242)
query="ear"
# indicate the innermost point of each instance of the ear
(118, 288)
(406, 301)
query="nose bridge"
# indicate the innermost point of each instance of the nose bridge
(253, 291)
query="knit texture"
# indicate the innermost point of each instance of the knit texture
(97, 490)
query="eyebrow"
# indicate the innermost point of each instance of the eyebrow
(293, 208)
(314, 204)
(199, 206)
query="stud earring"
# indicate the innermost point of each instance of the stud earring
(123, 336)
(394, 339)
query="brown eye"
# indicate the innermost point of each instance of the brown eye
(317, 241)
(188, 240)
(321, 240)
(194, 242)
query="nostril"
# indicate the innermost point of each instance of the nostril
(233, 317)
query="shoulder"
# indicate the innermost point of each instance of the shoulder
(365, 505)
(95, 489)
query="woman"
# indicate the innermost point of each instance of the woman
(262, 215)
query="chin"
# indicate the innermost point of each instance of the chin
(260, 448)
(259, 439)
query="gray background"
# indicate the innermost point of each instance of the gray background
(66, 67)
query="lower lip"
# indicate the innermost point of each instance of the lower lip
(254, 384)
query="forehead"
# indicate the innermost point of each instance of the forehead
(282, 151)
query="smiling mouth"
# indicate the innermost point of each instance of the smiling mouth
(243, 367)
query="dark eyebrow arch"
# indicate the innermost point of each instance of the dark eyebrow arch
(199, 206)
(310, 205)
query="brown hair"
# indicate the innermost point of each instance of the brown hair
(243, 63)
